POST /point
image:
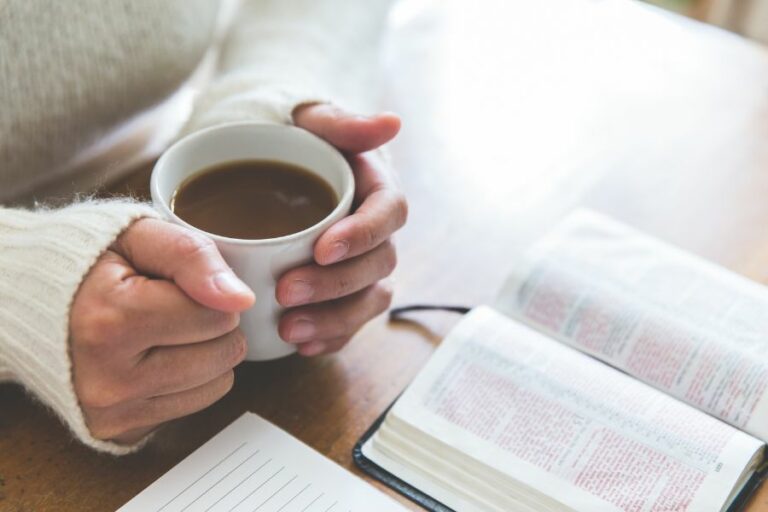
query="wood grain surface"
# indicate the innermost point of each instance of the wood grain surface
(515, 112)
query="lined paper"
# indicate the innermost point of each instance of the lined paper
(253, 466)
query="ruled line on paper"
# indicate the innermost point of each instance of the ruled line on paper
(202, 476)
(217, 482)
(237, 485)
(254, 466)
(286, 484)
(294, 497)
(257, 488)
(313, 502)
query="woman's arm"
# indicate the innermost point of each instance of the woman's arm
(44, 256)
(280, 54)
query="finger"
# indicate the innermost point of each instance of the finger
(383, 211)
(313, 283)
(329, 320)
(145, 415)
(134, 436)
(348, 132)
(167, 370)
(318, 347)
(168, 407)
(118, 309)
(156, 312)
(187, 258)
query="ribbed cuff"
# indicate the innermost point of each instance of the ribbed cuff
(238, 98)
(44, 255)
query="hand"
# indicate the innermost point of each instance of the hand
(153, 330)
(332, 298)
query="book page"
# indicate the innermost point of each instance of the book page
(253, 465)
(686, 326)
(563, 425)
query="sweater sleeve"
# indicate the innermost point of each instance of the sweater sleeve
(283, 53)
(44, 255)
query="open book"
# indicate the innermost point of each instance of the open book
(615, 373)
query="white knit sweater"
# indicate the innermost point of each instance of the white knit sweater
(72, 75)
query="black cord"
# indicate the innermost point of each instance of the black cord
(396, 313)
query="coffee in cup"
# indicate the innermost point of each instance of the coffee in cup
(254, 199)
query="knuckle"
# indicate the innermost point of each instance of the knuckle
(160, 375)
(103, 429)
(236, 348)
(400, 206)
(189, 245)
(390, 258)
(225, 385)
(223, 323)
(123, 243)
(370, 235)
(98, 395)
(284, 325)
(344, 326)
(285, 283)
(112, 425)
(229, 380)
(97, 327)
(344, 287)
(385, 293)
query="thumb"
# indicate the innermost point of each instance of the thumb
(192, 261)
(348, 132)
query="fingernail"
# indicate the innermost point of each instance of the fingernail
(301, 330)
(339, 249)
(312, 348)
(300, 292)
(228, 283)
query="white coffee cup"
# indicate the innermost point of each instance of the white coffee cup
(259, 263)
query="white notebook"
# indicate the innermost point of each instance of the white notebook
(254, 466)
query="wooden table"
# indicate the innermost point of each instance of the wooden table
(514, 113)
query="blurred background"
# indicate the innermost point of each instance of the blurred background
(746, 17)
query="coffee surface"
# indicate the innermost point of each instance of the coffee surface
(254, 199)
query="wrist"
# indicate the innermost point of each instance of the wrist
(44, 256)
